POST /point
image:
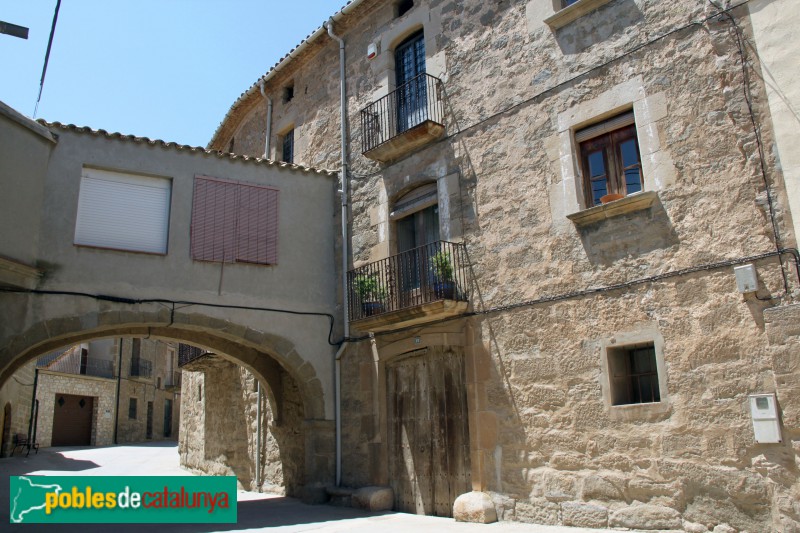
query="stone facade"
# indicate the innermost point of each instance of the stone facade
(562, 291)
(15, 407)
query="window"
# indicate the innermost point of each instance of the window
(404, 6)
(234, 222)
(288, 94)
(417, 229)
(132, 409)
(412, 89)
(123, 211)
(567, 3)
(610, 160)
(287, 152)
(633, 374)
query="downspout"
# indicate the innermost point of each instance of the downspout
(33, 409)
(258, 436)
(345, 253)
(269, 118)
(119, 377)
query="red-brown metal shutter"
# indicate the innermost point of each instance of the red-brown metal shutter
(257, 232)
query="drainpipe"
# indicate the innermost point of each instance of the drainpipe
(119, 377)
(269, 118)
(337, 364)
(33, 408)
(258, 436)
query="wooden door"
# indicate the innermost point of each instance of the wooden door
(149, 434)
(167, 418)
(428, 431)
(72, 420)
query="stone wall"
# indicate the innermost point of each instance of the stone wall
(558, 296)
(15, 403)
(103, 390)
(219, 427)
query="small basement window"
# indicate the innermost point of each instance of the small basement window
(633, 373)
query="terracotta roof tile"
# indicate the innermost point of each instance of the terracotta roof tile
(182, 147)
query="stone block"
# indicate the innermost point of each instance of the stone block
(646, 517)
(578, 514)
(603, 488)
(694, 527)
(474, 506)
(374, 499)
(537, 511)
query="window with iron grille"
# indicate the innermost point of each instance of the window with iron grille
(633, 374)
(610, 160)
(132, 409)
(287, 154)
(234, 222)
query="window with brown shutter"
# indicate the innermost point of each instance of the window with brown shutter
(234, 222)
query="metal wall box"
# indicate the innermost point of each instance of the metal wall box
(746, 280)
(764, 412)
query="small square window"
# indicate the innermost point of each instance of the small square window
(404, 6)
(288, 94)
(610, 160)
(633, 374)
(287, 153)
(132, 409)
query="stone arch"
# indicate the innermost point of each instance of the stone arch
(261, 352)
(271, 358)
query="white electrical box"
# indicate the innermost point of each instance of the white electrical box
(372, 50)
(746, 280)
(764, 411)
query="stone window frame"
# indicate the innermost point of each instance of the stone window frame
(567, 195)
(420, 17)
(644, 334)
(448, 199)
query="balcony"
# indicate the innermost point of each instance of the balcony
(421, 285)
(173, 380)
(188, 353)
(407, 118)
(75, 360)
(141, 368)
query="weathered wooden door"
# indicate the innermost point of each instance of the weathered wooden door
(428, 431)
(149, 427)
(72, 420)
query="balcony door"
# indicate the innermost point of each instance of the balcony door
(412, 97)
(417, 242)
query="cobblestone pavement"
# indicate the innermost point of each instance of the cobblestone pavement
(256, 512)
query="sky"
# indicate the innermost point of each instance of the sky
(164, 69)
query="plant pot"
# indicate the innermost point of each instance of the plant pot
(611, 198)
(445, 289)
(371, 308)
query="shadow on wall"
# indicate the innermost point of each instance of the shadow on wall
(611, 20)
(610, 240)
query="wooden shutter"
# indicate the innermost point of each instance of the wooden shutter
(123, 211)
(234, 222)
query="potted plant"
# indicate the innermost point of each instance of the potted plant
(370, 294)
(444, 285)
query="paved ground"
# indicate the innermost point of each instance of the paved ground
(256, 512)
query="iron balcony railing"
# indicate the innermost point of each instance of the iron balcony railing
(418, 100)
(141, 368)
(72, 361)
(435, 271)
(188, 353)
(173, 379)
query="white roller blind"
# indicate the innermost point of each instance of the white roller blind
(123, 211)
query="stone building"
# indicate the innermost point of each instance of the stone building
(99, 394)
(571, 267)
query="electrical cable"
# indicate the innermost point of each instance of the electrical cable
(184, 303)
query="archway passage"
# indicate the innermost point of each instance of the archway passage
(300, 432)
